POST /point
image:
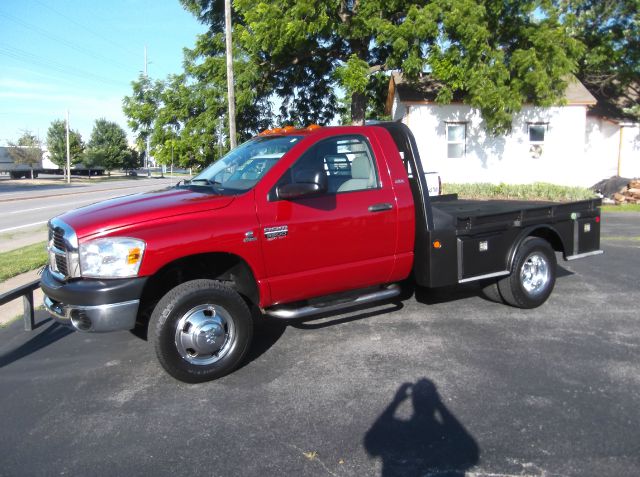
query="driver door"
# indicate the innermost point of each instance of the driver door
(338, 240)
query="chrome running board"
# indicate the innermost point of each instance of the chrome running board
(292, 313)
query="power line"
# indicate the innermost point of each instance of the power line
(92, 32)
(64, 41)
(32, 59)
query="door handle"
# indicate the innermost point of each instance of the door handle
(380, 207)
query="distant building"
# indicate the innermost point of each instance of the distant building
(565, 144)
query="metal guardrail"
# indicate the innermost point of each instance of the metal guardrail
(26, 292)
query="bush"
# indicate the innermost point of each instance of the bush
(535, 191)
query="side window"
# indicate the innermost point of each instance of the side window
(347, 161)
(537, 132)
(456, 140)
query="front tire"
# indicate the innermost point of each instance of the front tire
(201, 330)
(533, 275)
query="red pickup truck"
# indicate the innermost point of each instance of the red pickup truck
(294, 222)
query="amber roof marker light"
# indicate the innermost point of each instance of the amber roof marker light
(289, 129)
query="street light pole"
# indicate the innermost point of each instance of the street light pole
(146, 152)
(68, 152)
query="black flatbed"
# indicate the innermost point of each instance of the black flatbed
(458, 241)
(483, 215)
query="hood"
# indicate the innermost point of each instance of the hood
(112, 214)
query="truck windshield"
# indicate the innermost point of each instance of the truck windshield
(245, 165)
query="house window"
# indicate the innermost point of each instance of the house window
(456, 136)
(537, 133)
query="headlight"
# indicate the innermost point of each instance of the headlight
(111, 257)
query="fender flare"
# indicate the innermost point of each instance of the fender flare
(545, 232)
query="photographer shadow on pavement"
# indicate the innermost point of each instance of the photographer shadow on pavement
(432, 442)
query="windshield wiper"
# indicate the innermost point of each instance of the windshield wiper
(206, 181)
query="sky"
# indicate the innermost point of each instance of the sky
(81, 56)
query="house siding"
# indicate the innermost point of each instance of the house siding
(613, 146)
(505, 158)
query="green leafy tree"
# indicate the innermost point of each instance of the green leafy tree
(57, 144)
(27, 150)
(132, 160)
(610, 31)
(185, 115)
(141, 108)
(107, 147)
(498, 54)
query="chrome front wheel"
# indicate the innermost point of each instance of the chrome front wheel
(205, 334)
(201, 330)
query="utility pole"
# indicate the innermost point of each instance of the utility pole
(146, 153)
(230, 91)
(68, 152)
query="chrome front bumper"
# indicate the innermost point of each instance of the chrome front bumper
(99, 318)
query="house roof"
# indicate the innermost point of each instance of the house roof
(426, 89)
(612, 102)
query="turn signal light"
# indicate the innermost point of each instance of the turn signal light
(134, 256)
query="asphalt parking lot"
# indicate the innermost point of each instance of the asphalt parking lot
(440, 384)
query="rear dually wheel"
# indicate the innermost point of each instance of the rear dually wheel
(533, 275)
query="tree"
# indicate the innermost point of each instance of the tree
(57, 144)
(108, 146)
(184, 115)
(133, 160)
(141, 107)
(27, 150)
(610, 31)
(498, 54)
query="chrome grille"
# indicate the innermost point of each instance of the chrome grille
(63, 250)
(58, 239)
(61, 264)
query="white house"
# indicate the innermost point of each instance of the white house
(559, 144)
(612, 137)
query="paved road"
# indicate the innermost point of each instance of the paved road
(441, 384)
(25, 206)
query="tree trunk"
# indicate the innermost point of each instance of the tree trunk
(358, 108)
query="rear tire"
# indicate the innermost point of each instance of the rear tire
(492, 293)
(201, 330)
(533, 275)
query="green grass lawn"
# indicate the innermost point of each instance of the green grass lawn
(22, 260)
(621, 208)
